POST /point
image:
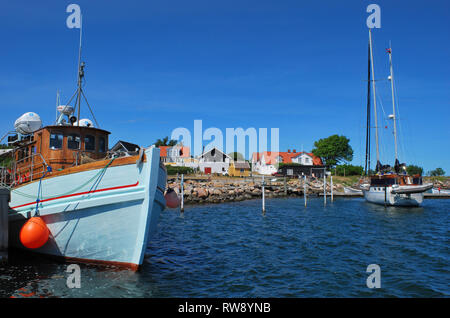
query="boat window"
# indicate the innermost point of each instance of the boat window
(56, 140)
(73, 141)
(26, 154)
(89, 143)
(101, 144)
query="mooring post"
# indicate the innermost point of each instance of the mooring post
(304, 188)
(263, 197)
(324, 188)
(4, 209)
(331, 187)
(182, 193)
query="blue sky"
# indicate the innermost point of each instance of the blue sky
(299, 66)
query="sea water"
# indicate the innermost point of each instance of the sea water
(234, 250)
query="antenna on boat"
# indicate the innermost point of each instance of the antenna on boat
(378, 167)
(80, 71)
(79, 92)
(393, 116)
(57, 103)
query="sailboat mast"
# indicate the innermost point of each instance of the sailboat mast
(374, 102)
(80, 71)
(393, 103)
(367, 165)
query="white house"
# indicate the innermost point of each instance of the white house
(267, 162)
(214, 161)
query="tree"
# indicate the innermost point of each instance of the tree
(6, 160)
(412, 169)
(333, 150)
(237, 156)
(165, 142)
(437, 172)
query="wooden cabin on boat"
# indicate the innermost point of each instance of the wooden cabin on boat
(59, 147)
(388, 180)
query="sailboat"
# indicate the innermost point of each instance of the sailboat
(72, 198)
(388, 186)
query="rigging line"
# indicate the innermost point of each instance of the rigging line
(92, 113)
(68, 103)
(102, 171)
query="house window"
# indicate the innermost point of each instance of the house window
(89, 143)
(101, 144)
(56, 140)
(73, 141)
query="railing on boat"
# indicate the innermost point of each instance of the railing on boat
(20, 173)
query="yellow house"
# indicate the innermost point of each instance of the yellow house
(239, 169)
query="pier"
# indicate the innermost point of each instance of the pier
(4, 208)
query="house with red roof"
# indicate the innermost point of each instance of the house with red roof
(267, 162)
(176, 155)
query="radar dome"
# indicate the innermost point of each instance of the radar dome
(65, 109)
(85, 123)
(28, 123)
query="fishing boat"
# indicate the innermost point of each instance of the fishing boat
(72, 198)
(389, 185)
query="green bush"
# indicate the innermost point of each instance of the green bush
(172, 170)
(348, 170)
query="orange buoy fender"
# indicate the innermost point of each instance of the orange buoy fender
(172, 200)
(34, 233)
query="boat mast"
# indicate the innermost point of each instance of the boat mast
(80, 73)
(394, 117)
(374, 104)
(367, 164)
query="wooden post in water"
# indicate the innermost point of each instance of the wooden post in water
(324, 188)
(304, 188)
(4, 209)
(331, 187)
(263, 197)
(182, 194)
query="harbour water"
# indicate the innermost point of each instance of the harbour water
(233, 250)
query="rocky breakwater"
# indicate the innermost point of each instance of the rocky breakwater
(228, 190)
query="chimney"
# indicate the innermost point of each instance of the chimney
(289, 150)
(293, 151)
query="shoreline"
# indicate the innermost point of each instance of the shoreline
(219, 189)
(200, 190)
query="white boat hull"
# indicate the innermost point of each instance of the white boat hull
(104, 219)
(384, 196)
